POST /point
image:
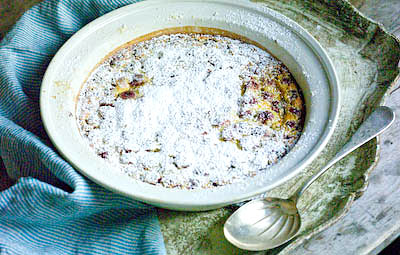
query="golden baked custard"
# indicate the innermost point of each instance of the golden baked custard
(190, 110)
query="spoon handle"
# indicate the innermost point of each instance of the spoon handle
(375, 124)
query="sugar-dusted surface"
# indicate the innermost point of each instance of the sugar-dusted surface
(191, 110)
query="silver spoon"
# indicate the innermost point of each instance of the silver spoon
(269, 222)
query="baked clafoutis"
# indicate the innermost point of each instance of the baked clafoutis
(190, 110)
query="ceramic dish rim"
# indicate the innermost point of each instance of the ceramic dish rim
(195, 205)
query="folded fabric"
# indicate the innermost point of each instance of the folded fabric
(52, 209)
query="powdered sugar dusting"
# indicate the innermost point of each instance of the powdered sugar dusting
(191, 110)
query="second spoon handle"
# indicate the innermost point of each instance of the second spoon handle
(375, 124)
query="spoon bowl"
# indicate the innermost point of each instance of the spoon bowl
(273, 219)
(269, 222)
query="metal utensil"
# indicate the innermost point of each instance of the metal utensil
(269, 222)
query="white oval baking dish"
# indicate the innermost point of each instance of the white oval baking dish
(284, 38)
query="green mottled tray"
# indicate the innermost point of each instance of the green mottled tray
(366, 60)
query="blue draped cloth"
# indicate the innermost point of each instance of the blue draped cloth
(51, 208)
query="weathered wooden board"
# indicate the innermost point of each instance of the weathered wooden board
(373, 221)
